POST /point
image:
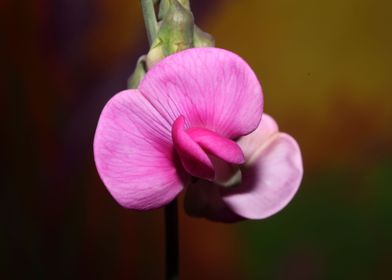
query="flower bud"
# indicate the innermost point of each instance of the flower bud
(155, 53)
(202, 39)
(138, 73)
(165, 5)
(176, 30)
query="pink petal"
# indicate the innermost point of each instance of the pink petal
(270, 182)
(134, 154)
(193, 158)
(219, 146)
(203, 200)
(212, 88)
(258, 138)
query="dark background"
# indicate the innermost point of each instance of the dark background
(326, 70)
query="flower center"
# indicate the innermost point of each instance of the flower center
(206, 154)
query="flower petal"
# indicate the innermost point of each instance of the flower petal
(203, 200)
(212, 88)
(270, 182)
(216, 145)
(193, 158)
(260, 137)
(134, 153)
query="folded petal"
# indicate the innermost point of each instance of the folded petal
(203, 200)
(270, 182)
(195, 161)
(212, 88)
(134, 154)
(216, 145)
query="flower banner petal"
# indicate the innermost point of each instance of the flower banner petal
(212, 88)
(134, 154)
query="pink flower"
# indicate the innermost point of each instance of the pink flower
(196, 115)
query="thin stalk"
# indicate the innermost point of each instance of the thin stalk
(171, 238)
(150, 19)
(171, 212)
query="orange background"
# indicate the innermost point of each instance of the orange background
(325, 67)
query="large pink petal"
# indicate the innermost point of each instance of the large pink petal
(134, 153)
(212, 88)
(270, 182)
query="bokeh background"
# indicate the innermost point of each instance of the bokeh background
(325, 67)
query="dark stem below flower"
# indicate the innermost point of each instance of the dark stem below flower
(171, 240)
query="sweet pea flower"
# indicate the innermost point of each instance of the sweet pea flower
(196, 122)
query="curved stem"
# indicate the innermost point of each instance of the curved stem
(171, 238)
(150, 19)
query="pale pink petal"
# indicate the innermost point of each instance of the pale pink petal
(270, 182)
(134, 153)
(258, 138)
(203, 200)
(212, 88)
(193, 158)
(216, 145)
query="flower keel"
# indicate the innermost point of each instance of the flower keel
(200, 148)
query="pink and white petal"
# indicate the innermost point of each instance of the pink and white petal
(133, 153)
(212, 88)
(203, 200)
(270, 182)
(257, 139)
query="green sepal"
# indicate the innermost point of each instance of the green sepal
(155, 54)
(176, 30)
(138, 73)
(165, 5)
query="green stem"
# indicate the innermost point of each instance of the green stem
(150, 20)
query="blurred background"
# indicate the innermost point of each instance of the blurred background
(325, 67)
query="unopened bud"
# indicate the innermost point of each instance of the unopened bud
(202, 39)
(155, 54)
(176, 30)
(165, 5)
